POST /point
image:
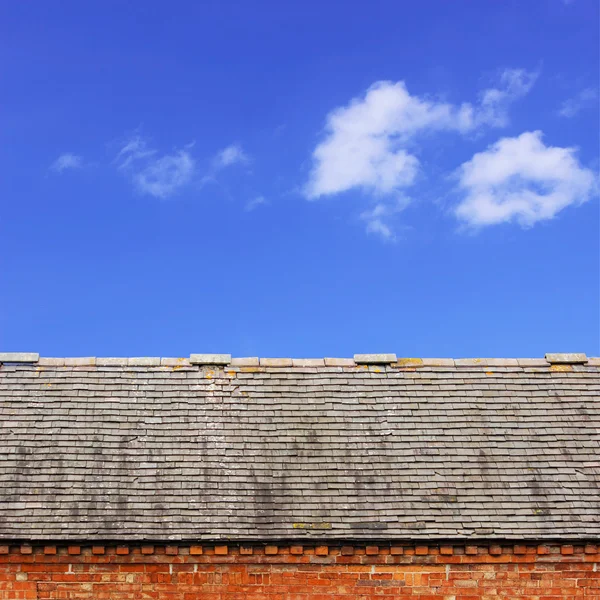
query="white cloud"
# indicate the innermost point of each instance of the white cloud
(369, 144)
(584, 99)
(366, 143)
(158, 176)
(166, 175)
(136, 148)
(255, 203)
(163, 175)
(230, 156)
(495, 102)
(521, 179)
(67, 161)
(379, 216)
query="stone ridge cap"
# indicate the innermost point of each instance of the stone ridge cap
(556, 361)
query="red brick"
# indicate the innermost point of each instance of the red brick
(147, 549)
(97, 549)
(344, 572)
(196, 550)
(520, 549)
(271, 549)
(322, 550)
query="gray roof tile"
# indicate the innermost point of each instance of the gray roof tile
(413, 450)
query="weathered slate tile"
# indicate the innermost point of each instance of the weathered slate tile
(281, 448)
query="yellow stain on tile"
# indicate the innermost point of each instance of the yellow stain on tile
(410, 362)
(561, 368)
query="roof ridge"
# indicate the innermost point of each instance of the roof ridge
(389, 359)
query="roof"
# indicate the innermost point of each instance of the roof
(372, 448)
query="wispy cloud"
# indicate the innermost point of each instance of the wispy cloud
(495, 102)
(67, 161)
(157, 175)
(521, 179)
(369, 143)
(231, 155)
(377, 218)
(166, 175)
(163, 175)
(255, 203)
(585, 99)
(135, 149)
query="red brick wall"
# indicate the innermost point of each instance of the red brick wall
(209, 572)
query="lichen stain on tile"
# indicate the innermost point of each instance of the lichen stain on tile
(410, 362)
(561, 368)
(322, 525)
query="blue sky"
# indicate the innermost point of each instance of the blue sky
(300, 179)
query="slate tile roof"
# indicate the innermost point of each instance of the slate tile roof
(131, 449)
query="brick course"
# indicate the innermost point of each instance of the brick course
(293, 572)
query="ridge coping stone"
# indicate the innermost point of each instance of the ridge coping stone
(210, 359)
(566, 358)
(532, 362)
(486, 362)
(437, 362)
(29, 357)
(374, 359)
(111, 361)
(144, 361)
(175, 362)
(308, 362)
(51, 362)
(81, 361)
(339, 362)
(276, 362)
(247, 361)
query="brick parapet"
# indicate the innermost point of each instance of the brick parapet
(323, 553)
(293, 571)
